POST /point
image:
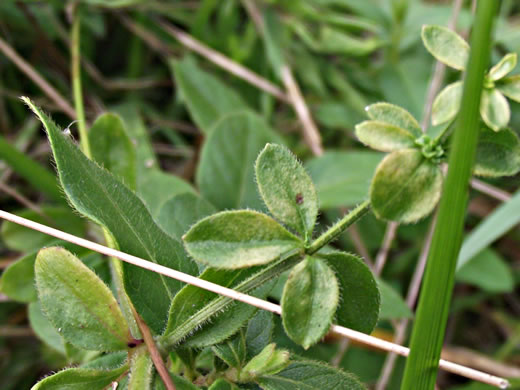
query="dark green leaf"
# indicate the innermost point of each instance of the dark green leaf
(232, 351)
(498, 154)
(394, 115)
(447, 103)
(44, 329)
(393, 305)
(384, 136)
(78, 303)
(225, 175)
(406, 186)
(180, 383)
(105, 200)
(494, 109)
(237, 239)
(259, 332)
(208, 99)
(287, 189)
(222, 384)
(310, 375)
(359, 295)
(309, 301)
(343, 178)
(445, 45)
(111, 148)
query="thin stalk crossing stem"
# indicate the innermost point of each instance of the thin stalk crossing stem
(432, 314)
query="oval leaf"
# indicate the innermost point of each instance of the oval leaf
(498, 154)
(510, 86)
(80, 379)
(447, 103)
(383, 136)
(504, 66)
(78, 303)
(394, 115)
(446, 46)
(287, 189)
(269, 361)
(393, 306)
(309, 301)
(358, 307)
(494, 109)
(406, 187)
(238, 239)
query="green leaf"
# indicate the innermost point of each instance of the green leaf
(510, 86)
(309, 301)
(334, 40)
(384, 136)
(494, 109)
(157, 187)
(496, 224)
(343, 178)
(208, 99)
(80, 379)
(23, 239)
(503, 67)
(359, 295)
(489, 271)
(310, 375)
(222, 384)
(44, 329)
(111, 148)
(197, 316)
(446, 46)
(237, 239)
(180, 383)
(447, 103)
(259, 332)
(181, 212)
(394, 115)
(105, 200)
(287, 189)
(406, 187)
(141, 370)
(268, 362)
(78, 303)
(232, 351)
(393, 305)
(498, 154)
(226, 175)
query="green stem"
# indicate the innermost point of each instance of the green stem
(432, 313)
(220, 303)
(339, 227)
(76, 85)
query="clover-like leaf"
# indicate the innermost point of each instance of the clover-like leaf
(394, 115)
(237, 239)
(384, 136)
(287, 189)
(446, 46)
(503, 67)
(510, 86)
(498, 154)
(78, 303)
(268, 362)
(309, 300)
(447, 103)
(494, 109)
(233, 350)
(406, 186)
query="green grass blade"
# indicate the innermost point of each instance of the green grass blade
(428, 333)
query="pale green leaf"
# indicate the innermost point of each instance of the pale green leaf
(343, 178)
(498, 154)
(80, 379)
(111, 148)
(446, 46)
(494, 109)
(447, 103)
(237, 239)
(489, 271)
(359, 295)
(225, 174)
(78, 303)
(141, 370)
(406, 187)
(393, 305)
(287, 189)
(309, 301)
(510, 87)
(208, 99)
(268, 362)
(503, 67)
(384, 136)
(334, 40)
(105, 200)
(310, 375)
(394, 115)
